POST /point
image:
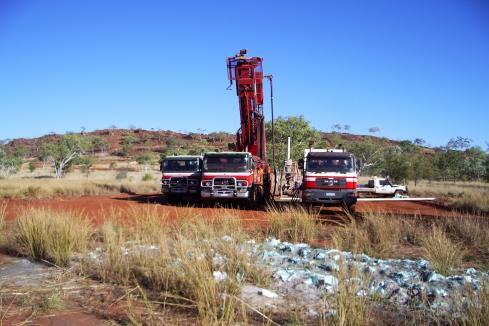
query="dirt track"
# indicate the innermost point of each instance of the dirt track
(98, 208)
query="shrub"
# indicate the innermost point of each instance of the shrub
(52, 236)
(121, 175)
(376, 235)
(32, 166)
(441, 251)
(294, 224)
(147, 177)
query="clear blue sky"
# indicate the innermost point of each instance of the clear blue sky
(414, 68)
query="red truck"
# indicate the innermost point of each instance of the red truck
(233, 175)
(245, 173)
(329, 177)
(181, 175)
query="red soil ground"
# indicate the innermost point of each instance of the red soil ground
(99, 208)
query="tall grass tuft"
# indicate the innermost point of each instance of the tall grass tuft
(292, 223)
(48, 235)
(476, 309)
(377, 235)
(3, 210)
(441, 251)
(350, 306)
(471, 230)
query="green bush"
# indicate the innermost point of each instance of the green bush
(147, 177)
(121, 175)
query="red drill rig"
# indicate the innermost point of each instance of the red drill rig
(244, 174)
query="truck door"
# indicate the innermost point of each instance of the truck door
(384, 187)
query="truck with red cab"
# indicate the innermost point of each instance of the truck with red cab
(329, 177)
(232, 175)
(181, 175)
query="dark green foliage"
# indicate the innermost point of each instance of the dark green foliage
(32, 166)
(64, 151)
(9, 164)
(301, 132)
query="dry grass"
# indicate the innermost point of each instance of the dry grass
(465, 196)
(47, 235)
(176, 260)
(3, 210)
(473, 231)
(475, 308)
(75, 185)
(444, 241)
(292, 223)
(442, 252)
(376, 235)
(351, 308)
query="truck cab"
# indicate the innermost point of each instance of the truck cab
(181, 175)
(329, 177)
(230, 175)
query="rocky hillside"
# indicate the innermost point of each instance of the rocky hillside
(123, 142)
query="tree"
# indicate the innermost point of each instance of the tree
(450, 163)
(32, 166)
(144, 160)
(98, 144)
(9, 164)
(475, 161)
(337, 126)
(374, 130)
(175, 146)
(459, 143)
(85, 163)
(201, 147)
(127, 145)
(419, 142)
(217, 136)
(347, 127)
(423, 167)
(63, 152)
(22, 151)
(300, 132)
(487, 168)
(369, 155)
(397, 164)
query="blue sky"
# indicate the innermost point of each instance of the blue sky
(413, 68)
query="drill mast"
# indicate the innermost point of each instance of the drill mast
(248, 74)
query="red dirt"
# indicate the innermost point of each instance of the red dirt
(405, 208)
(99, 208)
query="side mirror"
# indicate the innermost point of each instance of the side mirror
(301, 163)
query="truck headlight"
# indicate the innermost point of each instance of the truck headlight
(240, 183)
(206, 183)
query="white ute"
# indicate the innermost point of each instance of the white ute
(381, 187)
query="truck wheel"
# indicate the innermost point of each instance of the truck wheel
(399, 193)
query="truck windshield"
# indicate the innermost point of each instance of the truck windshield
(334, 164)
(226, 163)
(180, 165)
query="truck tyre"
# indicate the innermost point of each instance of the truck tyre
(399, 193)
